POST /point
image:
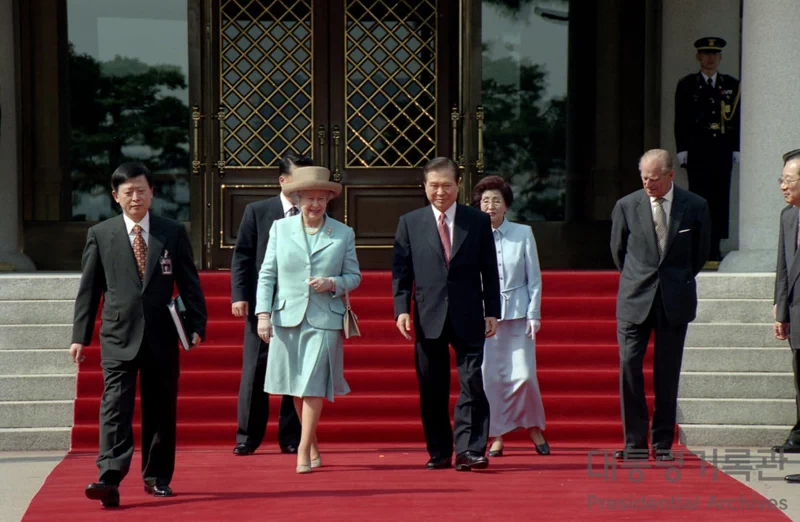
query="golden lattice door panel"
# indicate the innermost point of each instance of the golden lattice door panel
(390, 83)
(266, 80)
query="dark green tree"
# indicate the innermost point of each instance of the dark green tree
(123, 104)
(525, 137)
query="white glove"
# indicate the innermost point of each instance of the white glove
(683, 158)
(736, 158)
(532, 328)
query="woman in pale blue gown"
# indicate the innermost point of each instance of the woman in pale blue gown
(509, 360)
(309, 265)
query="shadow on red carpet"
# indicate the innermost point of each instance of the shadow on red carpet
(391, 484)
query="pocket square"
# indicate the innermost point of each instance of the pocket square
(684, 230)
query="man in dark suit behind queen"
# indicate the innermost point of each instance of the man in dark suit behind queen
(444, 255)
(134, 262)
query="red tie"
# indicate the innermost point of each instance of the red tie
(139, 250)
(444, 236)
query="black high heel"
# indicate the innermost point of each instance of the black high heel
(542, 449)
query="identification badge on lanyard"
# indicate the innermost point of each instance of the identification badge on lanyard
(166, 264)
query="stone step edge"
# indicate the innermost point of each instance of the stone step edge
(739, 374)
(53, 401)
(31, 430)
(762, 348)
(738, 399)
(738, 426)
(38, 375)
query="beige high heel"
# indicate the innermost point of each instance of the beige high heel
(302, 469)
(317, 462)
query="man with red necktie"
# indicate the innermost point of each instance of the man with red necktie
(445, 255)
(133, 262)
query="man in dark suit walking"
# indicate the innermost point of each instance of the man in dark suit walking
(659, 241)
(787, 286)
(248, 254)
(133, 262)
(445, 254)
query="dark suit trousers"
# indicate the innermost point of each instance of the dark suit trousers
(709, 174)
(471, 418)
(254, 402)
(794, 435)
(159, 401)
(668, 356)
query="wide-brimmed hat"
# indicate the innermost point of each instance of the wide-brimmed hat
(311, 178)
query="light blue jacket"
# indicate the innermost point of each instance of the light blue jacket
(282, 281)
(520, 275)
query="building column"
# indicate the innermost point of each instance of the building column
(770, 127)
(11, 258)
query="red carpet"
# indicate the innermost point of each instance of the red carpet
(576, 356)
(578, 374)
(390, 485)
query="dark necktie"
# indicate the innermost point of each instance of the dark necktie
(139, 250)
(711, 82)
(293, 211)
(444, 236)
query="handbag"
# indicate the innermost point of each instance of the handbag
(350, 327)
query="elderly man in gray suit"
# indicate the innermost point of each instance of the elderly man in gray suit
(787, 285)
(660, 239)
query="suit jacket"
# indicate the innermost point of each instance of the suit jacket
(635, 251)
(520, 275)
(251, 246)
(698, 114)
(282, 281)
(467, 292)
(787, 275)
(133, 309)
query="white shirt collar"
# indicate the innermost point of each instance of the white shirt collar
(713, 78)
(450, 213)
(503, 228)
(668, 196)
(144, 223)
(287, 204)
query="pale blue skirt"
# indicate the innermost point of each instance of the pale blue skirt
(509, 380)
(304, 361)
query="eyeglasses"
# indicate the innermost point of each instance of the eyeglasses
(787, 182)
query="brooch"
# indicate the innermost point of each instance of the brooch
(329, 231)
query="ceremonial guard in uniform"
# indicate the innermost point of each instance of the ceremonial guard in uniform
(707, 134)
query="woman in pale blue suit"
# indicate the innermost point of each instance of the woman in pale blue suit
(309, 264)
(509, 361)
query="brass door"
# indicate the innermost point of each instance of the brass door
(363, 86)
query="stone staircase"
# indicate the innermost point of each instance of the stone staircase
(37, 379)
(736, 382)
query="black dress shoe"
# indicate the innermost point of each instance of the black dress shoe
(664, 455)
(542, 449)
(157, 490)
(243, 449)
(438, 463)
(107, 494)
(632, 454)
(470, 460)
(793, 479)
(496, 453)
(789, 446)
(290, 449)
